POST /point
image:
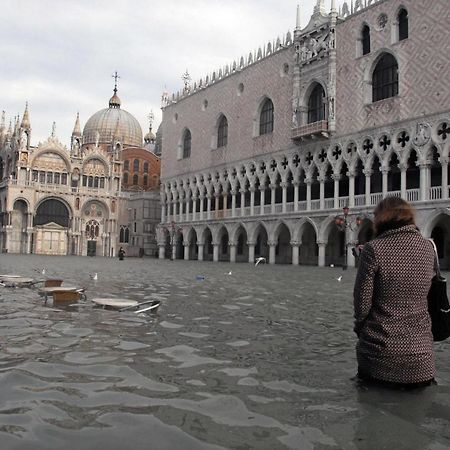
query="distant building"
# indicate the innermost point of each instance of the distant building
(58, 201)
(261, 156)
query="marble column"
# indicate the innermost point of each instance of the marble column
(200, 251)
(251, 252)
(444, 162)
(284, 197)
(272, 254)
(232, 253)
(351, 189)
(368, 174)
(296, 183)
(242, 202)
(423, 182)
(233, 203)
(403, 168)
(194, 208)
(272, 198)
(215, 252)
(384, 175)
(263, 199)
(252, 201)
(308, 194)
(208, 206)
(322, 192)
(336, 179)
(295, 252)
(162, 251)
(322, 246)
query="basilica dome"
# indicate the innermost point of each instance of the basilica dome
(112, 122)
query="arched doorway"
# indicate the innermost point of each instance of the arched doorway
(18, 239)
(283, 250)
(334, 251)
(193, 247)
(261, 246)
(208, 249)
(224, 251)
(441, 236)
(308, 248)
(241, 245)
(51, 223)
(179, 247)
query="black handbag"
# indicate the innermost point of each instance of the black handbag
(438, 305)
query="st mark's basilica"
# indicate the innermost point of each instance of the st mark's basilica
(82, 200)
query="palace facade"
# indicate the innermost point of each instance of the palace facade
(262, 155)
(56, 200)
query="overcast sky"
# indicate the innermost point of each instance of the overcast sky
(59, 55)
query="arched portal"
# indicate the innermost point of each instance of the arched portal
(208, 249)
(224, 251)
(51, 224)
(18, 239)
(241, 245)
(261, 246)
(193, 247)
(441, 236)
(308, 248)
(283, 250)
(334, 251)
(179, 247)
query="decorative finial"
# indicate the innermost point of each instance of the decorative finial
(77, 129)
(25, 119)
(187, 80)
(54, 129)
(333, 5)
(150, 118)
(115, 76)
(297, 25)
(320, 7)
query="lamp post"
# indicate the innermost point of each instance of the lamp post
(344, 222)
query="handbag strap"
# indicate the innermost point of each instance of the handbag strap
(436, 258)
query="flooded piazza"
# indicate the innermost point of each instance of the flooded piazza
(236, 357)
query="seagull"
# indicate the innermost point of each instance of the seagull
(95, 276)
(260, 259)
(230, 273)
(339, 278)
(41, 271)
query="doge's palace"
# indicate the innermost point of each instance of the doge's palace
(270, 155)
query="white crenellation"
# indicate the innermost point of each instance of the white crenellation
(349, 8)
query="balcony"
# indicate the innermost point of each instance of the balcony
(315, 130)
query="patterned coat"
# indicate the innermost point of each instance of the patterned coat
(390, 299)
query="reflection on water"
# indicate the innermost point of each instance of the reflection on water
(254, 360)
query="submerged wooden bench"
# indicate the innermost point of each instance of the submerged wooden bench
(52, 282)
(62, 293)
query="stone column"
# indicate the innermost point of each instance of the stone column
(263, 199)
(284, 197)
(163, 212)
(162, 251)
(423, 181)
(322, 246)
(295, 252)
(186, 212)
(194, 208)
(322, 192)
(225, 204)
(336, 179)
(251, 252)
(202, 204)
(308, 194)
(200, 251)
(384, 174)
(272, 197)
(181, 211)
(174, 250)
(216, 205)
(233, 203)
(351, 189)
(208, 206)
(186, 251)
(242, 202)
(403, 168)
(444, 163)
(215, 252)
(252, 201)
(368, 174)
(296, 183)
(272, 248)
(232, 253)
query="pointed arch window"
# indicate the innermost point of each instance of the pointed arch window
(403, 25)
(125, 178)
(145, 181)
(126, 165)
(187, 144)
(365, 40)
(266, 118)
(136, 165)
(222, 132)
(385, 78)
(316, 105)
(135, 179)
(146, 167)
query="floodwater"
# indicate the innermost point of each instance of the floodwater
(256, 358)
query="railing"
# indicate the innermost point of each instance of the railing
(311, 129)
(435, 193)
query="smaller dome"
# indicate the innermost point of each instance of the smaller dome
(149, 136)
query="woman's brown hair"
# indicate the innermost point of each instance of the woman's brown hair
(392, 212)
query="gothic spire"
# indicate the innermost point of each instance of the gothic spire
(76, 129)
(298, 25)
(320, 7)
(25, 119)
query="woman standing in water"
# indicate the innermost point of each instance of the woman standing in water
(395, 344)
